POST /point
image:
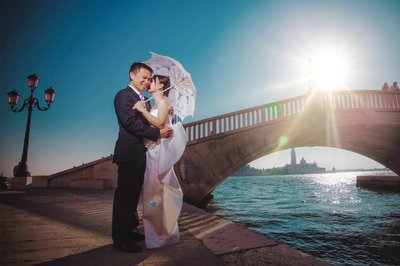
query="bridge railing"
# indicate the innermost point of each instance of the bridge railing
(320, 101)
(360, 100)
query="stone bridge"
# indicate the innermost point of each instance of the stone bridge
(365, 122)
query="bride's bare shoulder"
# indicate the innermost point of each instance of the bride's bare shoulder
(164, 103)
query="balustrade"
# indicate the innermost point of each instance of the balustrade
(266, 113)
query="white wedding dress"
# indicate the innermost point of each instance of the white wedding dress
(161, 192)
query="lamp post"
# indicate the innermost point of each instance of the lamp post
(22, 169)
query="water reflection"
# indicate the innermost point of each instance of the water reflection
(325, 215)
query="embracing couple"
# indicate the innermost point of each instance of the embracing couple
(148, 146)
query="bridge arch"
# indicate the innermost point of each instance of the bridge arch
(365, 122)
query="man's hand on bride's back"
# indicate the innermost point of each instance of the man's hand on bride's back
(171, 111)
(166, 132)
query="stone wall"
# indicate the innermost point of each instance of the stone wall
(390, 182)
(98, 174)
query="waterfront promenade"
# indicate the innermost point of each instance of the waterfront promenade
(73, 227)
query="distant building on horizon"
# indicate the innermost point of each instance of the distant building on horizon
(303, 167)
(293, 168)
(293, 157)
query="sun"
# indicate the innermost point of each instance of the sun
(330, 69)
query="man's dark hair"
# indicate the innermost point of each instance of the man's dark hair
(165, 81)
(135, 68)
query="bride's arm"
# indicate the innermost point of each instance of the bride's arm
(159, 121)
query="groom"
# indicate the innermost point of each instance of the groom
(130, 156)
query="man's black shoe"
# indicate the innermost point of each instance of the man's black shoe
(136, 236)
(128, 247)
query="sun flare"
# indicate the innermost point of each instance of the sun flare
(330, 69)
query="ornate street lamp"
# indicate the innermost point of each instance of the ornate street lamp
(22, 169)
(13, 97)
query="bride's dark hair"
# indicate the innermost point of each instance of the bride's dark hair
(165, 81)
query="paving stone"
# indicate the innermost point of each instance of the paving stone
(73, 227)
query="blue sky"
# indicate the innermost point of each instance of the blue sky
(240, 54)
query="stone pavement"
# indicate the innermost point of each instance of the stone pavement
(73, 227)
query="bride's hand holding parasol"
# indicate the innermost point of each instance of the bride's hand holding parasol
(140, 106)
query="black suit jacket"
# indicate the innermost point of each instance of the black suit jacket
(133, 127)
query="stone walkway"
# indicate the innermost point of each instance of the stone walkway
(73, 227)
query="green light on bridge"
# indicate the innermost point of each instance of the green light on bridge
(274, 110)
(283, 141)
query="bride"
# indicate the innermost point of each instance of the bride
(161, 192)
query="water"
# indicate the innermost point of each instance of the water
(324, 215)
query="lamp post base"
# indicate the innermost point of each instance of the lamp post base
(21, 170)
(21, 182)
(22, 179)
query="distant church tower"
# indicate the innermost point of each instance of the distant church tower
(293, 155)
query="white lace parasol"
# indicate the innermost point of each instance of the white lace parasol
(182, 93)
